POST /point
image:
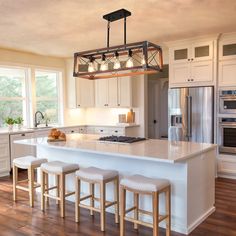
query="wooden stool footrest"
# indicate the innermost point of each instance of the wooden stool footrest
(89, 207)
(138, 222)
(22, 188)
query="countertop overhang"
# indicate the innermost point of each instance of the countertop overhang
(151, 149)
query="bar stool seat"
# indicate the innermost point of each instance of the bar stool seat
(143, 183)
(27, 161)
(139, 184)
(93, 175)
(96, 174)
(30, 163)
(59, 169)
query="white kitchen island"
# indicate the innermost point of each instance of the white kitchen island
(190, 167)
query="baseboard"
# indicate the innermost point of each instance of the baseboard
(200, 220)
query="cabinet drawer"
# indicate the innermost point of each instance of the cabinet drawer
(227, 166)
(90, 130)
(101, 130)
(117, 131)
(4, 149)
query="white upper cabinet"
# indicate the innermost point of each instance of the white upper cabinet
(84, 92)
(191, 63)
(113, 92)
(227, 60)
(80, 92)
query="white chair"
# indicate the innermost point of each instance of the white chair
(30, 163)
(138, 184)
(93, 175)
(60, 170)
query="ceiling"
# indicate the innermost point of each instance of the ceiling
(61, 27)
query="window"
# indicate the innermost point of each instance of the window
(17, 99)
(48, 94)
(12, 93)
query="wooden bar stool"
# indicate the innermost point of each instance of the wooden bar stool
(93, 175)
(60, 170)
(30, 163)
(139, 184)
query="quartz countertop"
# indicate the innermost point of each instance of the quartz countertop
(151, 149)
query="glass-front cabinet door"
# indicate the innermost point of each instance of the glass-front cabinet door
(227, 49)
(202, 51)
(179, 54)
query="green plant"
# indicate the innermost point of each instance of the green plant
(9, 121)
(19, 120)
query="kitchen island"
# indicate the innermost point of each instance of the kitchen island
(190, 167)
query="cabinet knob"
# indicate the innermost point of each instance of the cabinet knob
(78, 105)
(101, 130)
(188, 59)
(118, 104)
(188, 79)
(192, 79)
(72, 131)
(116, 131)
(22, 134)
(191, 59)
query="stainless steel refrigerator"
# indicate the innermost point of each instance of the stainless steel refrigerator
(191, 114)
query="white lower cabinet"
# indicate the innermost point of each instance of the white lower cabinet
(4, 155)
(227, 165)
(19, 150)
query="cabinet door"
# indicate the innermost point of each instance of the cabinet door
(101, 92)
(112, 92)
(227, 73)
(202, 51)
(179, 54)
(84, 93)
(227, 50)
(124, 92)
(201, 71)
(19, 150)
(4, 155)
(179, 73)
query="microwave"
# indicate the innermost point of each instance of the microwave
(227, 135)
(227, 101)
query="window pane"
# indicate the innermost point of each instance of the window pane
(181, 54)
(12, 82)
(50, 108)
(46, 84)
(10, 108)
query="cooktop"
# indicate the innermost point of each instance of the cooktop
(121, 139)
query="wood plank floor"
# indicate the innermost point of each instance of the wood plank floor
(18, 219)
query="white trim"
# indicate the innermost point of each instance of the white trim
(200, 220)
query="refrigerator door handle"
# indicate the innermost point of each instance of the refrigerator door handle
(189, 117)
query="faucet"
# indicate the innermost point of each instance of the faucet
(36, 122)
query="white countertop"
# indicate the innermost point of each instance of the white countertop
(5, 130)
(152, 149)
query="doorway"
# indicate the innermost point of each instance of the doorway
(158, 108)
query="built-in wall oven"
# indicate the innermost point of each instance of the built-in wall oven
(227, 135)
(227, 101)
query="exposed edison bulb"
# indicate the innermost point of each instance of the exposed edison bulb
(104, 65)
(143, 62)
(130, 62)
(91, 67)
(117, 62)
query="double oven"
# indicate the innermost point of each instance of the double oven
(227, 135)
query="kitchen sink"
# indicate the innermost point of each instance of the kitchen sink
(41, 127)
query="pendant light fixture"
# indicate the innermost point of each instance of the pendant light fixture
(118, 61)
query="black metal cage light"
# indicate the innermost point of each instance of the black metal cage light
(118, 61)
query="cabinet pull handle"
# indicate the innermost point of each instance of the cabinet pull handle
(22, 134)
(191, 79)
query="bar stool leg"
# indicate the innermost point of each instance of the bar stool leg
(116, 198)
(168, 207)
(136, 205)
(102, 204)
(62, 194)
(155, 201)
(31, 185)
(46, 187)
(122, 210)
(91, 190)
(15, 180)
(42, 190)
(57, 183)
(77, 199)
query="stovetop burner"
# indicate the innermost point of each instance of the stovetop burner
(121, 139)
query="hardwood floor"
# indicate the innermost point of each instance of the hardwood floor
(18, 219)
